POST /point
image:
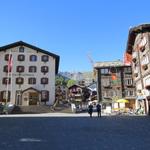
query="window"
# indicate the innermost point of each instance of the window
(44, 80)
(105, 71)
(6, 80)
(128, 82)
(44, 95)
(129, 93)
(7, 57)
(44, 69)
(32, 69)
(145, 60)
(20, 69)
(127, 70)
(105, 94)
(5, 69)
(21, 49)
(21, 57)
(3, 96)
(33, 58)
(45, 58)
(32, 81)
(19, 80)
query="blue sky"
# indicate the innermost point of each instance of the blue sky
(73, 29)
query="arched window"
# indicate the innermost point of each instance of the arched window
(45, 58)
(33, 58)
(21, 57)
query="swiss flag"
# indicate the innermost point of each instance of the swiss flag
(113, 76)
(10, 63)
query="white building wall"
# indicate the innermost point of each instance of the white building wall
(26, 74)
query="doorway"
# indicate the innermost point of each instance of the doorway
(33, 98)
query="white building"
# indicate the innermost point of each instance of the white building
(31, 80)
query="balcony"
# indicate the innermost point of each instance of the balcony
(107, 86)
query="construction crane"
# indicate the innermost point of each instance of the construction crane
(92, 63)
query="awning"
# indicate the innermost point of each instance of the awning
(140, 98)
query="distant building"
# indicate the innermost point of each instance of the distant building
(82, 78)
(138, 46)
(27, 74)
(114, 81)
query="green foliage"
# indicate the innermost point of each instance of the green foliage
(60, 81)
(71, 82)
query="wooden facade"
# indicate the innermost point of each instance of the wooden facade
(114, 81)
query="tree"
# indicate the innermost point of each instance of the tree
(71, 82)
(60, 80)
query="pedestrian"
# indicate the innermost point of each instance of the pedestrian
(90, 110)
(98, 108)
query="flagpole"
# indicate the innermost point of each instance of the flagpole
(11, 80)
(9, 66)
(7, 82)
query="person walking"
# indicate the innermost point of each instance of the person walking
(90, 109)
(98, 108)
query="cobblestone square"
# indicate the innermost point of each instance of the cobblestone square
(75, 133)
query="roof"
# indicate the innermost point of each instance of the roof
(133, 33)
(31, 88)
(21, 43)
(75, 85)
(104, 64)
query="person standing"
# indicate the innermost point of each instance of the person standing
(98, 108)
(90, 110)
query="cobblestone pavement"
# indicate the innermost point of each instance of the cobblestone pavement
(75, 133)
